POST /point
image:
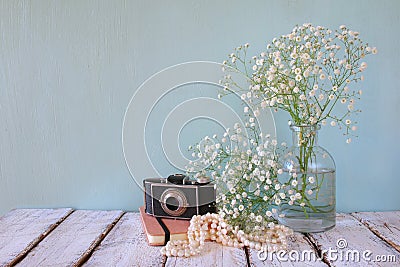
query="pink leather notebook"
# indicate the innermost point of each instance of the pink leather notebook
(155, 233)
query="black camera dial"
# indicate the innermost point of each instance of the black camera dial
(177, 178)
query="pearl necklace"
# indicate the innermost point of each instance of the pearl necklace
(214, 227)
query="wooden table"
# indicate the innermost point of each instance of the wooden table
(64, 237)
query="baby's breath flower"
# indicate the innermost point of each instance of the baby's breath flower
(363, 66)
(248, 161)
(306, 73)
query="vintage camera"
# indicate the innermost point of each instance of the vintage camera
(179, 197)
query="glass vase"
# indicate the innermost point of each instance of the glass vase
(309, 170)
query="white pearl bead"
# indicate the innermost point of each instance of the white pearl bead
(187, 253)
(251, 245)
(250, 237)
(174, 252)
(214, 227)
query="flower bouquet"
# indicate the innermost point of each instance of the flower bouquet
(306, 73)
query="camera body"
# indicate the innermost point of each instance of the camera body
(179, 197)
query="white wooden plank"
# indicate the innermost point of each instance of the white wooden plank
(355, 238)
(297, 244)
(73, 240)
(214, 254)
(22, 229)
(126, 245)
(386, 225)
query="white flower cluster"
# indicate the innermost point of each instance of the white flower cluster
(245, 168)
(306, 73)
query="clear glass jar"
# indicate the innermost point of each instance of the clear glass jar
(309, 171)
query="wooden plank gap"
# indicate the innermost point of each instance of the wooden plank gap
(317, 248)
(164, 261)
(97, 242)
(21, 230)
(126, 245)
(42, 236)
(350, 239)
(214, 254)
(297, 242)
(247, 253)
(380, 227)
(72, 240)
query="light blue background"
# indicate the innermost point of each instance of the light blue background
(69, 68)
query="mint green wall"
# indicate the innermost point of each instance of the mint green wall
(69, 68)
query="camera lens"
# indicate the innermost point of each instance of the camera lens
(173, 202)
